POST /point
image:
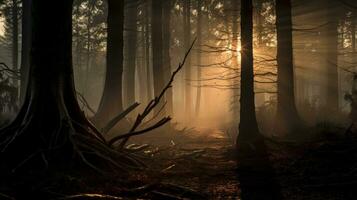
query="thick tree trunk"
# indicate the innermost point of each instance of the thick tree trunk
(111, 103)
(166, 36)
(248, 127)
(287, 119)
(199, 58)
(50, 102)
(26, 45)
(157, 49)
(131, 27)
(187, 42)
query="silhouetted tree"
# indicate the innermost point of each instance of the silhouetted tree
(26, 44)
(287, 119)
(166, 36)
(157, 49)
(187, 42)
(111, 103)
(248, 127)
(50, 126)
(130, 67)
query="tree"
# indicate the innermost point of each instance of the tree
(235, 15)
(332, 101)
(248, 126)
(166, 36)
(111, 103)
(199, 58)
(130, 67)
(187, 41)
(50, 128)
(287, 119)
(157, 49)
(15, 36)
(26, 44)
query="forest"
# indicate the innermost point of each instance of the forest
(178, 99)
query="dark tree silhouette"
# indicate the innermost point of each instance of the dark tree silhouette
(166, 36)
(332, 101)
(26, 44)
(130, 67)
(188, 71)
(50, 127)
(157, 49)
(111, 103)
(248, 127)
(199, 58)
(287, 119)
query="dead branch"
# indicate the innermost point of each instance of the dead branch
(119, 117)
(151, 105)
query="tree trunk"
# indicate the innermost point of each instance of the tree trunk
(131, 29)
(199, 61)
(26, 45)
(147, 52)
(43, 125)
(15, 40)
(166, 29)
(248, 127)
(332, 101)
(235, 15)
(287, 119)
(187, 42)
(111, 103)
(157, 50)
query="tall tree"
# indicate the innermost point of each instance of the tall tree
(166, 36)
(111, 103)
(130, 67)
(287, 119)
(187, 42)
(332, 101)
(199, 58)
(248, 126)
(15, 36)
(25, 46)
(50, 123)
(147, 50)
(157, 48)
(235, 15)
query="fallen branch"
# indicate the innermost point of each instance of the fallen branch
(119, 117)
(151, 105)
(130, 134)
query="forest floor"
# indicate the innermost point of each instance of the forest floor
(202, 164)
(325, 167)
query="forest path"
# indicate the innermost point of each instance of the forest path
(203, 161)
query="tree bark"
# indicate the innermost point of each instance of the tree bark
(15, 39)
(111, 103)
(166, 36)
(199, 58)
(157, 50)
(131, 29)
(187, 42)
(332, 101)
(248, 127)
(149, 77)
(287, 119)
(44, 122)
(26, 45)
(235, 82)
